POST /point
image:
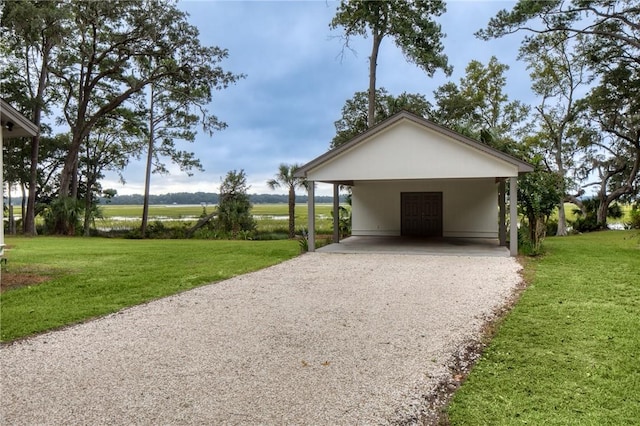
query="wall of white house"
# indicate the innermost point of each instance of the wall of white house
(470, 206)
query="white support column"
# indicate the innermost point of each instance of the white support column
(311, 203)
(513, 217)
(1, 198)
(336, 213)
(502, 224)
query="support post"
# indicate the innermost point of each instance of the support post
(502, 224)
(336, 213)
(1, 198)
(513, 217)
(311, 203)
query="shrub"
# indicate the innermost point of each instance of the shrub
(635, 217)
(587, 223)
(552, 227)
(526, 246)
(62, 216)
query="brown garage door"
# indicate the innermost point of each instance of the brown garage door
(421, 214)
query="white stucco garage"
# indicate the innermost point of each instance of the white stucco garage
(412, 177)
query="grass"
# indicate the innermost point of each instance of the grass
(569, 209)
(270, 218)
(94, 277)
(568, 353)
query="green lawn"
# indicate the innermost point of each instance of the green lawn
(95, 276)
(569, 352)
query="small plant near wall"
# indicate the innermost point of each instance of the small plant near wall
(303, 241)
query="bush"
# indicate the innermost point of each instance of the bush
(62, 216)
(587, 223)
(635, 217)
(552, 227)
(525, 245)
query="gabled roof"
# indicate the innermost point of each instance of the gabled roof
(324, 159)
(14, 124)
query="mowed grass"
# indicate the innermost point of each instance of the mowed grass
(569, 352)
(94, 277)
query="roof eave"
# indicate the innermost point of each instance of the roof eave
(22, 126)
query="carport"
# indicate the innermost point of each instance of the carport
(411, 177)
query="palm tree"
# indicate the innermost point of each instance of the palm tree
(285, 178)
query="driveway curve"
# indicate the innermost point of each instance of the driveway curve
(319, 339)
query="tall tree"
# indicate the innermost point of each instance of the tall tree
(610, 32)
(558, 73)
(612, 142)
(354, 112)
(108, 40)
(177, 105)
(411, 25)
(617, 22)
(479, 107)
(32, 33)
(286, 178)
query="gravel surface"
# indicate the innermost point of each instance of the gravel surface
(320, 339)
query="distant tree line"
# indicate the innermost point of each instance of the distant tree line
(209, 198)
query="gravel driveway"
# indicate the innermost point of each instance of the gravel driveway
(319, 339)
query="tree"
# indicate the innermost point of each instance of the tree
(478, 107)
(538, 194)
(354, 112)
(176, 106)
(32, 31)
(612, 137)
(100, 68)
(409, 23)
(610, 41)
(614, 22)
(109, 147)
(286, 177)
(234, 207)
(558, 73)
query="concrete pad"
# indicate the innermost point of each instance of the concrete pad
(427, 246)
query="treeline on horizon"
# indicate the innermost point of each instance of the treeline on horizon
(208, 198)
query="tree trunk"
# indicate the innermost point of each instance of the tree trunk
(202, 222)
(67, 174)
(533, 226)
(23, 205)
(562, 219)
(147, 179)
(601, 214)
(373, 63)
(29, 221)
(87, 209)
(292, 212)
(75, 178)
(12, 220)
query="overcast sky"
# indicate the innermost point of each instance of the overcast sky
(296, 83)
